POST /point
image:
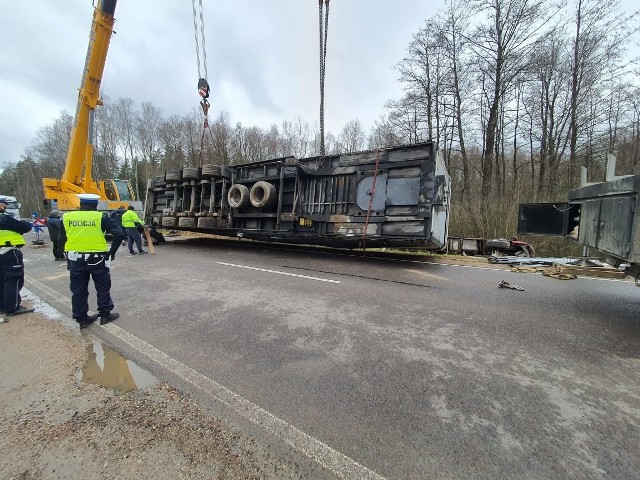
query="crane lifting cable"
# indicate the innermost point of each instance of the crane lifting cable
(323, 57)
(203, 84)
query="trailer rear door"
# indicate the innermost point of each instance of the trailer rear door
(546, 218)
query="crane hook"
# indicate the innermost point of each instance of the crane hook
(203, 88)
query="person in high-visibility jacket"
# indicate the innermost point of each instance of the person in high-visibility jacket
(131, 222)
(11, 262)
(83, 233)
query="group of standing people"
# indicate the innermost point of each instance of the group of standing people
(131, 226)
(78, 238)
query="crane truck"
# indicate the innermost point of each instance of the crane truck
(602, 216)
(62, 193)
(396, 196)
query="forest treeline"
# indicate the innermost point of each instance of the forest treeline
(518, 94)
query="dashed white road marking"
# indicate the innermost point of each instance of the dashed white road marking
(279, 272)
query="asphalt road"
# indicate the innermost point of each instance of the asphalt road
(374, 367)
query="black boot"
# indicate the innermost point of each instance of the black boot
(108, 317)
(85, 322)
(20, 311)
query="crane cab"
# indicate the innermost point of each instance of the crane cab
(117, 190)
(114, 194)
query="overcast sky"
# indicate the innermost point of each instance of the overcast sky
(262, 59)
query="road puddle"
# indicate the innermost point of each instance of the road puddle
(109, 369)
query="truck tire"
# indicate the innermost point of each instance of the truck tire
(188, 222)
(159, 181)
(263, 194)
(207, 222)
(190, 173)
(211, 170)
(172, 175)
(238, 196)
(168, 221)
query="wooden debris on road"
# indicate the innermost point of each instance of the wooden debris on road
(587, 271)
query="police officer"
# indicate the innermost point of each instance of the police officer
(11, 262)
(131, 222)
(83, 232)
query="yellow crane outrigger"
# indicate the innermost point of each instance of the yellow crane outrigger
(77, 178)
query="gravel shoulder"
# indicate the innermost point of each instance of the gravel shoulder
(54, 426)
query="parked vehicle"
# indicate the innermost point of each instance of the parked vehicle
(13, 206)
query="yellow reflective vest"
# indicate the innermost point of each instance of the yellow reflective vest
(84, 232)
(14, 239)
(130, 218)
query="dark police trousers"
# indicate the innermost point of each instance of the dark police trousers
(82, 267)
(11, 278)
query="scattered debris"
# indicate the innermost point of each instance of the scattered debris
(539, 261)
(562, 268)
(505, 284)
(559, 275)
(589, 271)
(519, 269)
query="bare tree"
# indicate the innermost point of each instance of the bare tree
(172, 135)
(501, 45)
(601, 34)
(547, 101)
(105, 164)
(125, 116)
(454, 36)
(50, 146)
(420, 72)
(383, 134)
(222, 133)
(148, 123)
(272, 143)
(407, 119)
(352, 138)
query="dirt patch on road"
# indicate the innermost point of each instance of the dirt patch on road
(53, 425)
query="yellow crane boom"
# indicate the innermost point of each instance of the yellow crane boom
(77, 177)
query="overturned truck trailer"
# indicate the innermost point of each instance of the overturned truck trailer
(396, 196)
(603, 216)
